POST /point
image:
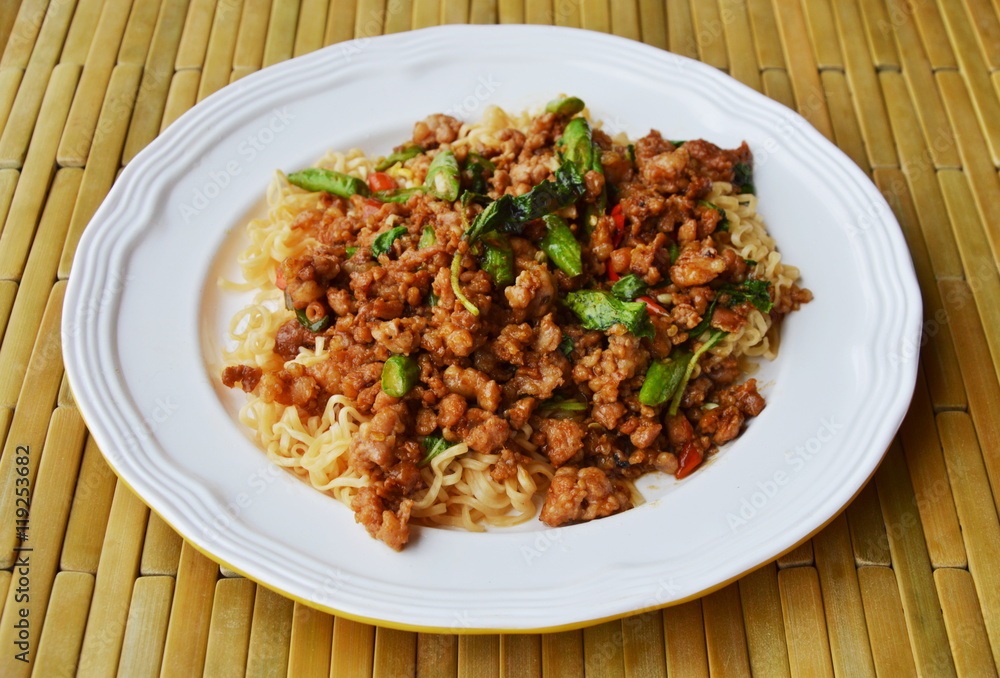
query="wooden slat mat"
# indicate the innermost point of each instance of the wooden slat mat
(905, 582)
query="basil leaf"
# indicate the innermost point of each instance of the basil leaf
(383, 243)
(629, 287)
(743, 177)
(599, 310)
(433, 445)
(757, 292)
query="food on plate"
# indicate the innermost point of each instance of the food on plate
(526, 306)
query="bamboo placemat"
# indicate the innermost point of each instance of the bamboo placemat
(905, 582)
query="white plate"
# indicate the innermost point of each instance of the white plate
(144, 324)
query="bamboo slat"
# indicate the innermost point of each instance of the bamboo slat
(603, 651)
(724, 635)
(81, 32)
(653, 23)
(709, 34)
(181, 97)
(8, 290)
(761, 602)
(437, 655)
(425, 13)
(10, 81)
(30, 421)
(398, 18)
(977, 511)
(878, 30)
(940, 364)
(65, 395)
(109, 609)
(101, 170)
(684, 637)
(932, 32)
(969, 643)
(594, 16)
(190, 614)
(35, 286)
(800, 556)
(562, 654)
(974, 248)
(766, 39)
(805, 627)
(680, 29)
(802, 67)
(911, 564)
(65, 621)
(846, 130)
(483, 12)
(975, 73)
(37, 556)
(221, 47)
(138, 32)
(455, 12)
(89, 103)
(14, 142)
(280, 42)
(194, 38)
(739, 43)
(625, 20)
(824, 34)
(249, 51)
(539, 12)
(309, 650)
(8, 184)
(36, 175)
(986, 23)
(982, 385)
(88, 517)
(510, 11)
(312, 26)
(886, 626)
(865, 86)
(23, 33)
(148, 615)
(642, 642)
(395, 653)
(340, 21)
(975, 159)
(925, 461)
(229, 633)
(8, 14)
(156, 75)
(918, 167)
(479, 657)
(352, 647)
(270, 634)
(845, 616)
(161, 552)
(868, 537)
(566, 13)
(916, 69)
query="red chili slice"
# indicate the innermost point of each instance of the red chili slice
(689, 460)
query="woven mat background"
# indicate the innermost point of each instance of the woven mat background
(905, 582)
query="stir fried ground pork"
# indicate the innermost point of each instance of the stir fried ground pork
(530, 344)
